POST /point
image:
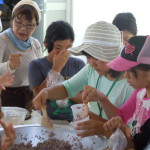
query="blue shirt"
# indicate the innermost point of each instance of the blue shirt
(38, 71)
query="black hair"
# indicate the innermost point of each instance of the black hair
(86, 54)
(29, 11)
(141, 139)
(113, 73)
(142, 67)
(58, 30)
(125, 21)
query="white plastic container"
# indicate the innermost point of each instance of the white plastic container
(74, 124)
(14, 115)
(79, 111)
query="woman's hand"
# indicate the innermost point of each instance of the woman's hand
(6, 80)
(90, 127)
(92, 94)
(39, 101)
(15, 61)
(60, 59)
(114, 123)
(9, 136)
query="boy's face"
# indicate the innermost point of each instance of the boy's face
(142, 80)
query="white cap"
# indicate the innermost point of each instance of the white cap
(28, 2)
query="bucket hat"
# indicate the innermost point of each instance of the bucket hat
(102, 40)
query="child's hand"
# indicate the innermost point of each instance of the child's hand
(6, 80)
(90, 127)
(114, 123)
(39, 101)
(60, 60)
(92, 94)
(9, 136)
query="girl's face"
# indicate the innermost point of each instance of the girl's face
(99, 66)
(23, 28)
(142, 80)
(60, 45)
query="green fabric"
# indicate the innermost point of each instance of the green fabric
(111, 87)
(61, 110)
(88, 76)
(60, 113)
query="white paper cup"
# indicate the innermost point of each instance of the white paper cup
(74, 124)
(79, 111)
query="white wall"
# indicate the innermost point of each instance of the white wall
(86, 12)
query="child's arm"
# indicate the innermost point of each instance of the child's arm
(125, 111)
(6, 80)
(9, 136)
(116, 122)
(94, 126)
(92, 94)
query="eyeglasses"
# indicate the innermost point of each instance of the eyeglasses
(27, 26)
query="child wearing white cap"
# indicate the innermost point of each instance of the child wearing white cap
(101, 44)
(17, 49)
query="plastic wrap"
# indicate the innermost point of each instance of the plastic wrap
(117, 141)
(55, 78)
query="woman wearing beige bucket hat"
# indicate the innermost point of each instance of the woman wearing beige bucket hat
(17, 49)
(101, 44)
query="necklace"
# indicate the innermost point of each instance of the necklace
(99, 107)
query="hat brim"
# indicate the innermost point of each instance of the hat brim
(121, 64)
(95, 51)
(78, 50)
(88, 48)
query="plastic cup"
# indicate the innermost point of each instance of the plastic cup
(79, 111)
(74, 124)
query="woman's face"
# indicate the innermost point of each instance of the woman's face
(99, 66)
(142, 80)
(60, 45)
(23, 28)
